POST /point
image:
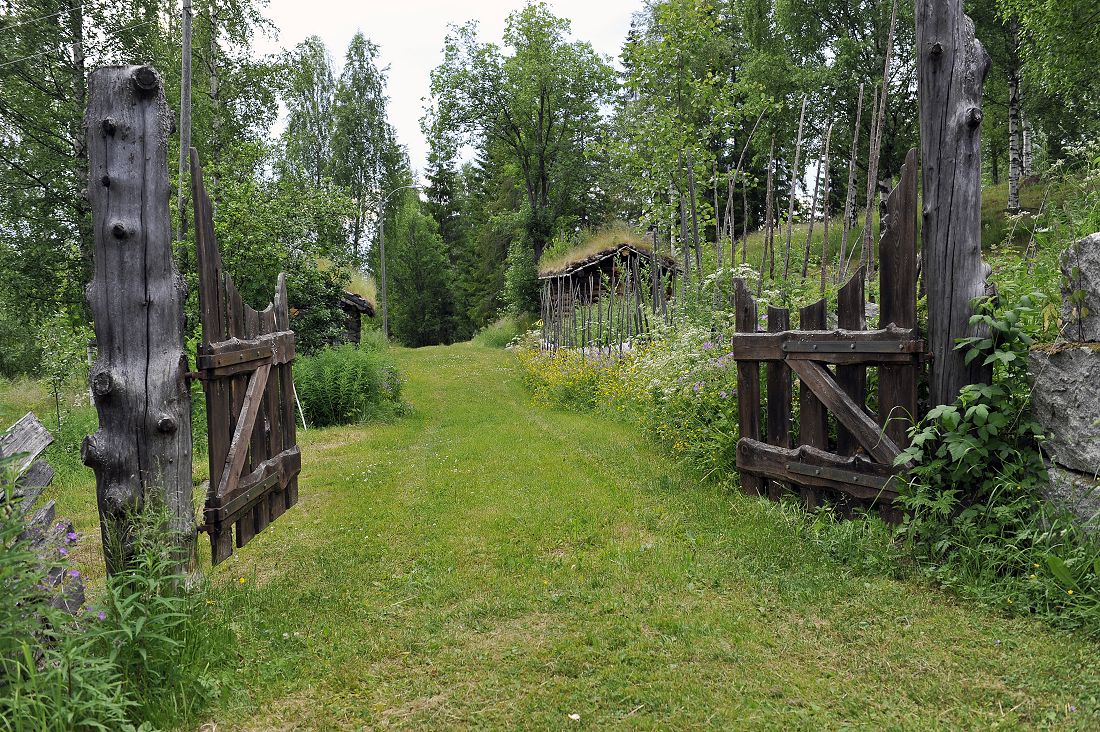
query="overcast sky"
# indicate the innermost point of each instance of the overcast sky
(410, 34)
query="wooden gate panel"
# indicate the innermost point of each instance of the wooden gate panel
(748, 381)
(851, 315)
(813, 427)
(863, 466)
(245, 362)
(898, 283)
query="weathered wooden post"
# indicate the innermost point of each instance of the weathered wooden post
(951, 69)
(142, 450)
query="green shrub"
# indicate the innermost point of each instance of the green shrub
(345, 384)
(978, 521)
(152, 657)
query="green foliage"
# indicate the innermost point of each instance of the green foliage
(502, 332)
(152, 658)
(538, 103)
(345, 385)
(978, 521)
(419, 278)
(521, 282)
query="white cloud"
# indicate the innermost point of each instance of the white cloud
(410, 35)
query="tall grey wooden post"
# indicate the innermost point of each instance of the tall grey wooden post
(142, 450)
(951, 69)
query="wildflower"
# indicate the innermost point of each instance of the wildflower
(74, 573)
(1032, 576)
(101, 615)
(1070, 591)
(63, 551)
(707, 345)
(71, 537)
(722, 394)
(241, 580)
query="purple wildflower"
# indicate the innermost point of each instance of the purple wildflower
(74, 573)
(71, 537)
(63, 551)
(707, 345)
(696, 387)
(101, 615)
(722, 394)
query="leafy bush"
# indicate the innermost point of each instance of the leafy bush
(978, 520)
(521, 279)
(345, 384)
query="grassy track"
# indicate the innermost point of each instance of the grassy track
(487, 564)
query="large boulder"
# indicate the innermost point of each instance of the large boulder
(1077, 493)
(1081, 290)
(1066, 401)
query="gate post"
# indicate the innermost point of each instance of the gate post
(142, 450)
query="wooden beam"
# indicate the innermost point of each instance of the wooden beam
(238, 448)
(809, 466)
(817, 378)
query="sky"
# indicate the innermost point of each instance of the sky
(410, 35)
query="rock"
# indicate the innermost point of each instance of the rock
(1066, 401)
(1081, 290)
(1077, 493)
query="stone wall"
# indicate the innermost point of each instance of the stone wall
(1066, 394)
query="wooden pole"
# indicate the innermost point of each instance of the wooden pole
(185, 121)
(142, 450)
(821, 162)
(876, 137)
(795, 173)
(951, 69)
(850, 191)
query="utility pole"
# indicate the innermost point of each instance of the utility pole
(185, 119)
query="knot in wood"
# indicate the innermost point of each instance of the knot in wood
(974, 117)
(106, 181)
(119, 230)
(110, 127)
(937, 50)
(102, 384)
(166, 424)
(145, 80)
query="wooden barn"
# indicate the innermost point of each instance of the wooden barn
(625, 279)
(355, 307)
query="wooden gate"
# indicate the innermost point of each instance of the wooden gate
(244, 361)
(859, 461)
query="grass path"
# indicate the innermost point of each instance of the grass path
(484, 563)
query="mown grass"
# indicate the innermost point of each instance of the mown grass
(484, 563)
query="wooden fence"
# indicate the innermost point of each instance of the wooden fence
(245, 364)
(859, 461)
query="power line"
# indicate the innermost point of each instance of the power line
(48, 52)
(22, 23)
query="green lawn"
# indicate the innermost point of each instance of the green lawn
(486, 563)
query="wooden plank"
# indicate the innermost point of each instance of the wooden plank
(257, 452)
(851, 315)
(276, 503)
(272, 475)
(809, 466)
(748, 382)
(27, 438)
(143, 445)
(288, 425)
(813, 426)
(816, 379)
(779, 394)
(897, 385)
(777, 346)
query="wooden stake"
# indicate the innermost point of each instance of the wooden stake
(795, 173)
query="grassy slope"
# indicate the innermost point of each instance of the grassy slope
(484, 563)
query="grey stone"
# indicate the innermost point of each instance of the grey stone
(1066, 401)
(1081, 290)
(1077, 493)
